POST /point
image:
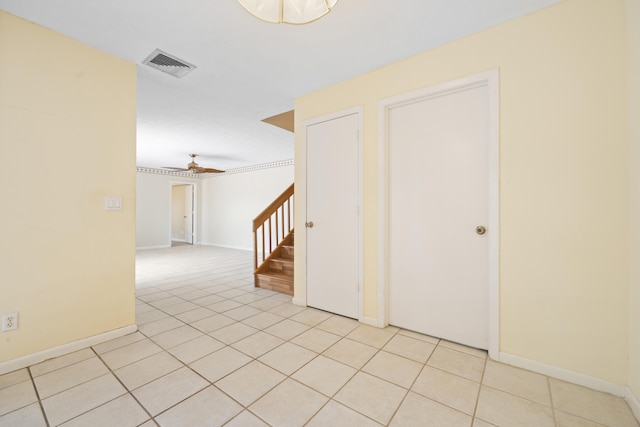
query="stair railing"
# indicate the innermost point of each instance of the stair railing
(272, 226)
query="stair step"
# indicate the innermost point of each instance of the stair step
(276, 273)
(286, 252)
(281, 265)
(275, 281)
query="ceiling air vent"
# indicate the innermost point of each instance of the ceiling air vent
(168, 64)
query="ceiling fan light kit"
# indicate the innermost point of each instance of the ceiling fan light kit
(288, 11)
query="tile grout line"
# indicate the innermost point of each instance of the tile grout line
(33, 383)
(426, 364)
(484, 371)
(331, 398)
(184, 365)
(129, 392)
(408, 390)
(212, 384)
(473, 416)
(378, 350)
(318, 354)
(170, 285)
(480, 385)
(553, 410)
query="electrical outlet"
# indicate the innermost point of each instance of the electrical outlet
(9, 322)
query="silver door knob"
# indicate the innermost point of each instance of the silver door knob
(481, 230)
(309, 224)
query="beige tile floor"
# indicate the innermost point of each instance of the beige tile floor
(213, 350)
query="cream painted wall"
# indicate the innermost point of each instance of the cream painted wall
(564, 183)
(230, 202)
(153, 212)
(67, 140)
(633, 37)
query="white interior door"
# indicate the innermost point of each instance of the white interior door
(332, 206)
(438, 191)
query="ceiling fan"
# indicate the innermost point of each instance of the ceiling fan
(193, 167)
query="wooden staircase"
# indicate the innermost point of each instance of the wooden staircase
(273, 241)
(276, 273)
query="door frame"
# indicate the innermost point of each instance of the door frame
(300, 297)
(194, 204)
(490, 79)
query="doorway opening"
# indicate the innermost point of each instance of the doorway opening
(183, 214)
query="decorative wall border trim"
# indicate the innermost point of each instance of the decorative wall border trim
(257, 167)
(213, 175)
(166, 172)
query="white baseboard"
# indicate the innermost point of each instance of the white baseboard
(634, 403)
(371, 321)
(576, 378)
(226, 246)
(41, 356)
(146, 248)
(566, 375)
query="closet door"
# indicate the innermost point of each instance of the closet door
(332, 232)
(438, 213)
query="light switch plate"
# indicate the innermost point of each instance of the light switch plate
(112, 203)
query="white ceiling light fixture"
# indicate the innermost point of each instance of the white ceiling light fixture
(288, 11)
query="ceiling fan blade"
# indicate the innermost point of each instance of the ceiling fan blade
(176, 169)
(211, 170)
(199, 169)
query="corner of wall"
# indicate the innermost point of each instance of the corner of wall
(633, 40)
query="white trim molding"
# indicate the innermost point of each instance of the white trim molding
(41, 356)
(226, 246)
(169, 173)
(371, 321)
(246, 169)
(574, 377)
(195, 219)
(148, 248)
(634, 402)
(243, 169)
(490, 79)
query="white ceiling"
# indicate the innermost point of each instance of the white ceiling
(248, 69)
